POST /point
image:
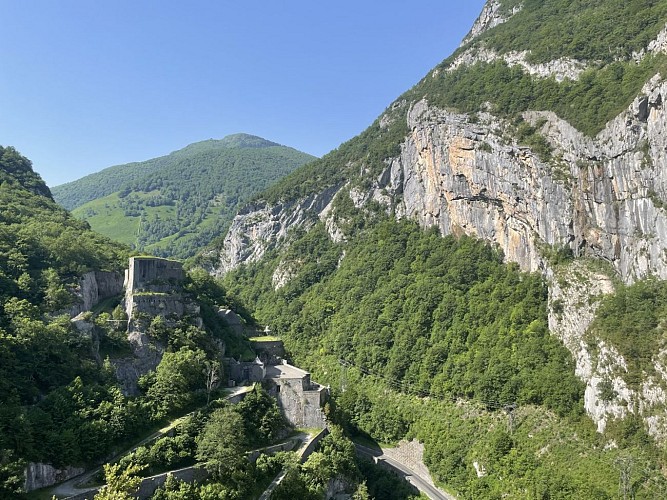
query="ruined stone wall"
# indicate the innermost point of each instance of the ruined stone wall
(153, 274)
(314, 400)
(38, 475)
(300, 404)
(150, 484)
(155, 305)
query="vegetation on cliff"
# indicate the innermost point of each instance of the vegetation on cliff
(601, 35)
(436, 338)
(56, 403)
(590, 30)
(632, 321)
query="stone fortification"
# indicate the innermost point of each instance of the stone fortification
(300, 399)
(39, 475)
(152, 274)
(153, 287)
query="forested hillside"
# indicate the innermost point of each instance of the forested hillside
(434, 338)
(177, 204)
(60, 401)
(56, 403)
(541, 136)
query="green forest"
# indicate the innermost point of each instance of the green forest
(586, 30)
(175, 205)
(60, 401)
(436, 338)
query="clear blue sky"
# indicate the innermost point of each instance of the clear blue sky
(89, 84)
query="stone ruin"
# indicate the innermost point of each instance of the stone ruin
(153, 287)
(300, 399)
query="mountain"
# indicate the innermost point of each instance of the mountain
(176, 204)
(543, 136)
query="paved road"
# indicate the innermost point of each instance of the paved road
(305, 441)
(72, 486)
(419, 482)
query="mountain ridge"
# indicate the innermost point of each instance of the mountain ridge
(173, 205)
(557, 161)
(64, 193)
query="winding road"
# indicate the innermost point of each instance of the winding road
(421, 483)
(73, 486)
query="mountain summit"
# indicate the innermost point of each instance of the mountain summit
(176, 204)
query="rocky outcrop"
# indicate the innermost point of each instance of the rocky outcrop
(600, 197)
(560, 69)
(490, 17)
(94, 287)
(38, 475)
(256, 226)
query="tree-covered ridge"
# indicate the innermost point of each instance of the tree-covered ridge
(41, 241)
(441, 316)
(179, 207)
(60, 402)
(52, 391)
(17, 169)
(586, 30)
(112, 179)
(599, 95)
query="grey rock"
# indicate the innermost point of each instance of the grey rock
(39, 475)
(94, 287)
(489, 18)
(603, 197)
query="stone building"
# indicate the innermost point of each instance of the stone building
(300, 399)
(152, 274)
(153, 286)
(245, 371)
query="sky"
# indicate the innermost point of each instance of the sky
(85, 85)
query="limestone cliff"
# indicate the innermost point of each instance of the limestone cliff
(94, 287)
(602, 197)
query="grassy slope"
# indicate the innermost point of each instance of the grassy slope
(175, 205)
(107, 217)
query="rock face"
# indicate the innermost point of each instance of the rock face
(560, 69)
(600, 197)
(258, 225)
(603, 197)
(39, 475)
(95, 286)
(490, 17)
